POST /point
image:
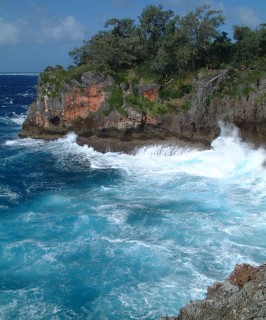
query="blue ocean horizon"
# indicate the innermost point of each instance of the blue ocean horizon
(86, 235)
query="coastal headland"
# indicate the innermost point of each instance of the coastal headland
(86, 108)
(169, 80)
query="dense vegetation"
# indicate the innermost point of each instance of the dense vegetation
(170, 50)
(164, 44)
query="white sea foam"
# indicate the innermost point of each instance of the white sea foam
(26, 142)
(69, 138)
(10, 142)
(8, 100)
(26, 94)
(19, 73)
(18, 119)
(228, 157)
(9, 194)
(179, 220)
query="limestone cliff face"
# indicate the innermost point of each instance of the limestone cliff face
(201, 122)
(74, 105)
(83, 107)
(248, 113)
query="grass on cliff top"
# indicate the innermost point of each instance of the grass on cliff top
(170, 94)
(174, 93)
(53, 79)
(243, 81)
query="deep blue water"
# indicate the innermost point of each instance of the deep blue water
(86, 235)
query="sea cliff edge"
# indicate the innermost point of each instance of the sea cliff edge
(84, 107)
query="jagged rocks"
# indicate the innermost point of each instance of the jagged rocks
(241, 297)
(73, 107)
(84, 108)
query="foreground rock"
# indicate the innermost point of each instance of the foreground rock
(241, 297)
(84, 107)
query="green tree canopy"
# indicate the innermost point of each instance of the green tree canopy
(163, 43)
(247, 45)
(153, 26)
(196, 32)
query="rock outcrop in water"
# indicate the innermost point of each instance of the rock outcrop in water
(72, 108)
(241, 297)
(87, 107)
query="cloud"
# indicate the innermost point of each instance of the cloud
(17, 32)
(248, 16)
(10, 32)
(67, 29)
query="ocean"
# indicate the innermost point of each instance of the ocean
(86, 235)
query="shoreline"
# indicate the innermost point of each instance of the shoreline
(128, 146)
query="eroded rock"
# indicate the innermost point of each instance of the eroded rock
(83, 107)
(240, 297)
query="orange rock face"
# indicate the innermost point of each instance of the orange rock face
(150, 120)
(81, 102)
(242, 274)
(150, 94)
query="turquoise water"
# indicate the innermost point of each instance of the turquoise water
(86, 235)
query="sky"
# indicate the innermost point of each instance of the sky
(38, 33)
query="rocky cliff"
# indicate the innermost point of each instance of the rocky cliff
(104, 116)
(241, 297)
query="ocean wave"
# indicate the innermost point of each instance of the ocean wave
(26, 94)
(8, 100)
(228, 158)
(19, 73)
(26, 142)
(7, 193)
(18, 119)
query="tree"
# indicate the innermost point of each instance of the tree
(247, 43)
(121, 27)
(79, 55)
(262, 38)
(163, 44)
(153, 26)
(221, 50)
(196, 32)
(113, 50)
